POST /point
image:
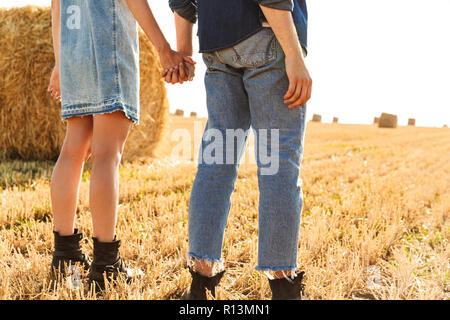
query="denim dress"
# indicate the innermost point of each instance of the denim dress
(99, 53)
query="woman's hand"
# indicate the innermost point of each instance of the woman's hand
(177, 67)
(55, 86)
(185, 72)
(171, 61)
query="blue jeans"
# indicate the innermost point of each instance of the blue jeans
(245, 85)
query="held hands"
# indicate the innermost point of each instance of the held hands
(185, 71)
(177, 67)
(54, 87)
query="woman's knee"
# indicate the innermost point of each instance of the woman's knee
(105, 154)
(78, 139)
(110, 135)
(76, 150)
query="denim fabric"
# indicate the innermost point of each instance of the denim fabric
(222, 24)
(99, 58)
(245, 85)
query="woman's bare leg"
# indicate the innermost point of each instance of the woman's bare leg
(67, 173)
(109, 136)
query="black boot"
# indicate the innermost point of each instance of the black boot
(68, 253)
(199, 284)
(107, 261)
(284, 289)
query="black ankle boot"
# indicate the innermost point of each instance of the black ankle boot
(284, 289)
(199, 284)
(68, 253)
(107, 261)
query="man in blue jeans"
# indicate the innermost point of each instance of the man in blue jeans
(256, 77)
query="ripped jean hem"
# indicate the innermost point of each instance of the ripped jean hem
(270, 272)
(281, 268)
(216, 264)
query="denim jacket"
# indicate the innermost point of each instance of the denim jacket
(224, 23)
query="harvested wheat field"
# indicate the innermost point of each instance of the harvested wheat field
(375, 222)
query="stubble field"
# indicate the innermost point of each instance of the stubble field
(375, 222)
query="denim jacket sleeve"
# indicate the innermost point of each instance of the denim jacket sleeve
(185, 8)
(277, 4)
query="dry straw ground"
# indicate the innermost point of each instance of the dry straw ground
(375, 222)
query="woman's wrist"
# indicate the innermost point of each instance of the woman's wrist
(163, 48)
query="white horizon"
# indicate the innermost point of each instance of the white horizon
(365, 58)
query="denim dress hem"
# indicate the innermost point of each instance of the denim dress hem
(99, 59)
(107, 106)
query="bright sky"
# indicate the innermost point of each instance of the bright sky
(365, 57)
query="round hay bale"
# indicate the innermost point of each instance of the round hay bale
(335, 120)
(30, 121)
(376, 120)
(388, 121)
(179, 112)
(411, 122)
(194, 114)
(317, 118)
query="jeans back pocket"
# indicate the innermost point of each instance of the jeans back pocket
(257, 50)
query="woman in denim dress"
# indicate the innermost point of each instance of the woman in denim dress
(96, 79)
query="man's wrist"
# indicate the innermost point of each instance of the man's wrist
(295, 54)
(184, 44)
(186, 51)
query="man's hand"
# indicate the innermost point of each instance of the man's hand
(300, 82)
(54, 86)
(170, 59)
(185, 71)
